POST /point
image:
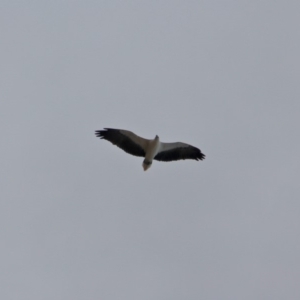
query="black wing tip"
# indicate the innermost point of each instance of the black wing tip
(100, 133)
(200, 155)
(103, 133)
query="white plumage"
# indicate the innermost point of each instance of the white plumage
(149, 149)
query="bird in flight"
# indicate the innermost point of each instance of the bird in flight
(149, 149)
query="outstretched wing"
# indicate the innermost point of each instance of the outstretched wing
(177, 151)
(124, 139)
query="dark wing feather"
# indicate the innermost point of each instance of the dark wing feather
(181, 151)
(122, 141)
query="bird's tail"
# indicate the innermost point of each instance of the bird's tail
(146, 164)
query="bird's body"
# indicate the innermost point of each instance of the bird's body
(152, 149)
(149, 149)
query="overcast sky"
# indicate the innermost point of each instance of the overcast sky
(80, 219)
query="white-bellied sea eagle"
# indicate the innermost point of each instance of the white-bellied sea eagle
(150, 149)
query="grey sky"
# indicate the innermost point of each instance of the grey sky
(80, 219)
